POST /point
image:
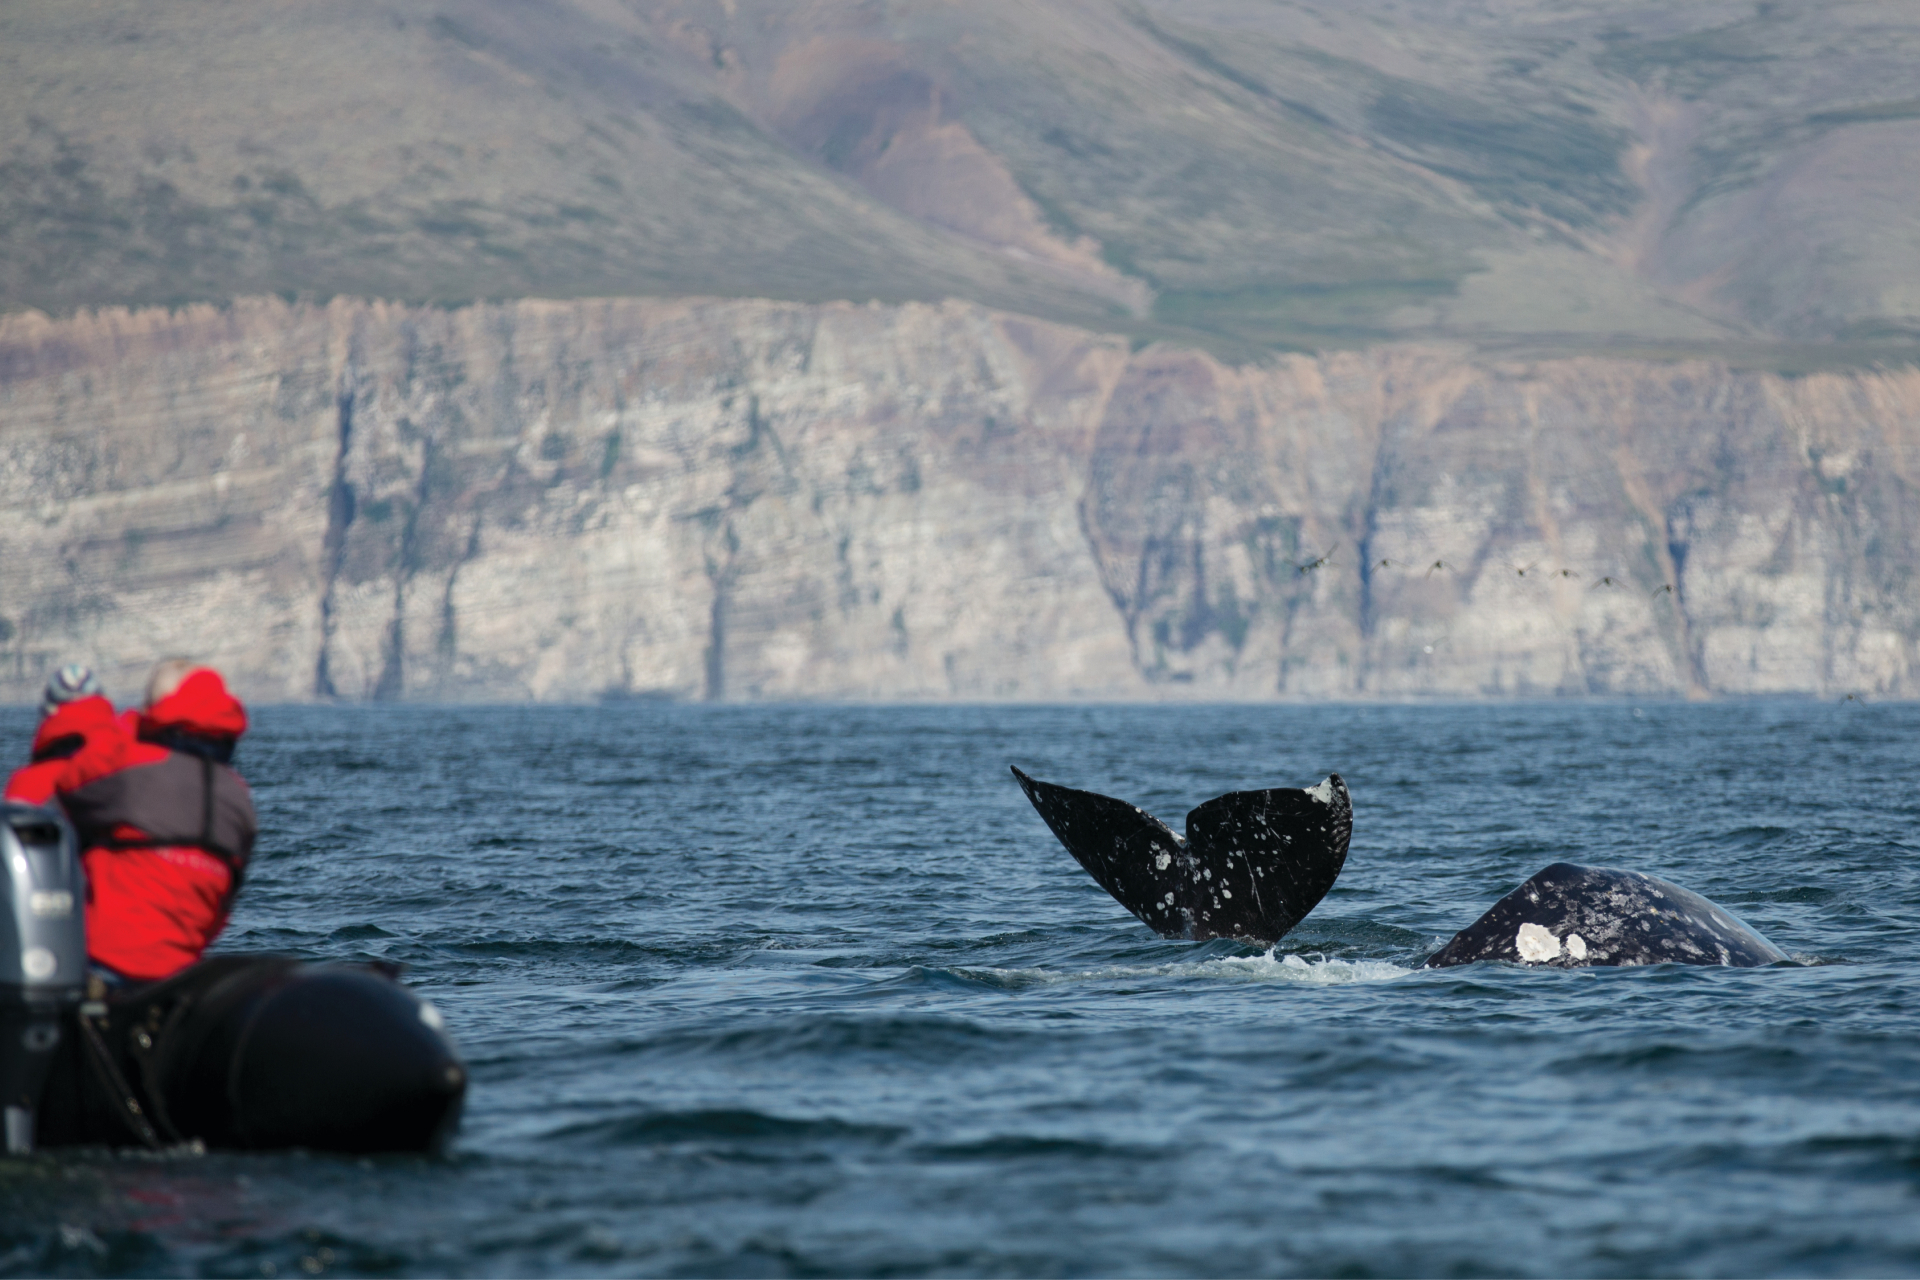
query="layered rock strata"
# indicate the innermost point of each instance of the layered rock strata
(699, 499)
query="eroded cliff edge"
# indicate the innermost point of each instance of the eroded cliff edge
(762, 500)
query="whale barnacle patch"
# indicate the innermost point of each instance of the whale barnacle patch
(1536, 945)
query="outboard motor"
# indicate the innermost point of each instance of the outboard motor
(43, 955)
(243, 1052)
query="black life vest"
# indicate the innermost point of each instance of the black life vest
(181, 799)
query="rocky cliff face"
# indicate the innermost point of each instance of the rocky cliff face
(759, 500)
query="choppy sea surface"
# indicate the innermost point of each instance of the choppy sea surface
(812, 991)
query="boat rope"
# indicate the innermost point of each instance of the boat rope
(126, 1104)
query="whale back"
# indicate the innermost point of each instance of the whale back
(1252, 865)
(1569, 916)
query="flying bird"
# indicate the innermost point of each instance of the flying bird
(1437, 564)
(1520, 570)
(1668, 588)
(1318, 562)
(1607, 582)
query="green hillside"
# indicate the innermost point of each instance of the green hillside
(1707, 177)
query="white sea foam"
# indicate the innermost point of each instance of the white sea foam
(1294, 967)
(1312, 969)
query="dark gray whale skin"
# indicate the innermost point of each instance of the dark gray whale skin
(1617, 917)
(1252, 865)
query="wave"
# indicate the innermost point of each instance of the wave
(724, 1125)
(935, 1039)
(1019, 1146)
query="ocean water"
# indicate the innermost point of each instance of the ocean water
(812, 991)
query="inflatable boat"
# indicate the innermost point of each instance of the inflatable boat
(242, 1052)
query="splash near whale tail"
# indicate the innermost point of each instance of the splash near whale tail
(1251, 866)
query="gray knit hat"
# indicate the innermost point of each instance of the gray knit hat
(71, 682)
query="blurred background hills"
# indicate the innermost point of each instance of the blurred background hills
(1729, 179)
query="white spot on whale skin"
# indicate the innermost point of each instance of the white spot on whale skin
(1226, 892)
(1576, 946)
(1164, 861)
(1322, 791)
(1535, 944)
(1169, 899)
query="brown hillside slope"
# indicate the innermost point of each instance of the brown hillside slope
(1715, 176)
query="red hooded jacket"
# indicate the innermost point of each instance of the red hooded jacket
(62, 735)
(166, 827)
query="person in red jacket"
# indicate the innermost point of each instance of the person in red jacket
(166, 825)
(73, 712)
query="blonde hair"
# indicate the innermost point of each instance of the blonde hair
(167, 675)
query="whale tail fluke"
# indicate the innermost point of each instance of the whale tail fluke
(1252, 865)
(1129, 852)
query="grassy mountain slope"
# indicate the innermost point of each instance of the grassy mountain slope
(1715, 176)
